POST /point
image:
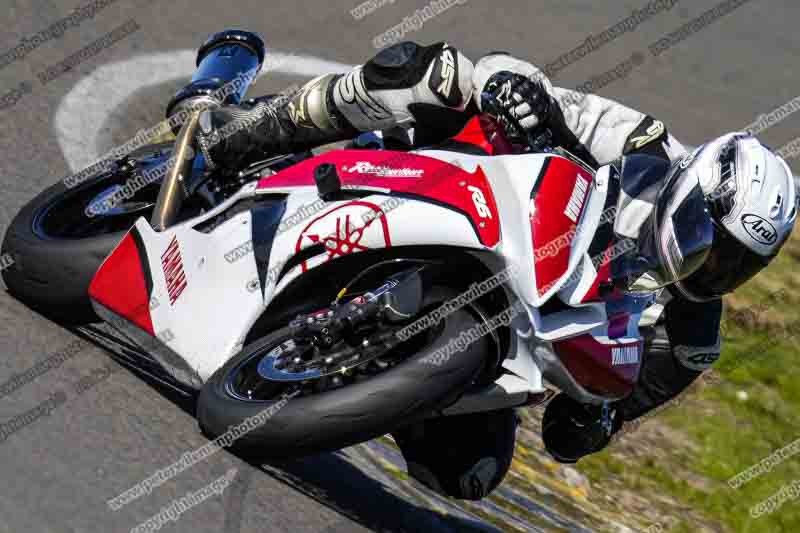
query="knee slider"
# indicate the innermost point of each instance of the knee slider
(400, 66)
(405, 65)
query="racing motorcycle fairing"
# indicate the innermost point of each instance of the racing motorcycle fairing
(560, 237)
(592, 276)
(550, 209)
(202, 304)
(123, 284)
(214, 276)
(345, 227)
(484, 135)
(598, 359)
(407, 174)
(214, 280)
(606, 360)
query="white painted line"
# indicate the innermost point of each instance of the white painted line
(85, 108)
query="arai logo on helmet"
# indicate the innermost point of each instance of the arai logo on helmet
(365, 167)
(759, 229)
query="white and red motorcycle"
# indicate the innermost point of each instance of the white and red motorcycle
(311, 281)
(356, 291)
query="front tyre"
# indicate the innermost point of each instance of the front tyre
(312, 422)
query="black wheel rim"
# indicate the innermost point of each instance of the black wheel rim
(247, 382)
(66, 217)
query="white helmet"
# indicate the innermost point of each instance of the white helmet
(752, 198)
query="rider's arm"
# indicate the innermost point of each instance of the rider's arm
(403, 85)
(606, 128)
(609, 129)
(686, 344)
(428, 87)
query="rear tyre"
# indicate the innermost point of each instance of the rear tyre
(57, 248)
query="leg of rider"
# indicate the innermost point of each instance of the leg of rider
(464, 456)
(682, 346)
(397, 87)
(692, 345)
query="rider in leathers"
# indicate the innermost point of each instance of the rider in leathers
(436, 89)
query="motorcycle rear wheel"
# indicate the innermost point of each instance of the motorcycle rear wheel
(57, 247)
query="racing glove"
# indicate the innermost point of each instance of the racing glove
(520, 104)
(521, 98)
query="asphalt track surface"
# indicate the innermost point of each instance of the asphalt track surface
(59, 471)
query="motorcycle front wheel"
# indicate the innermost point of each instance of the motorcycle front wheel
(294, 421)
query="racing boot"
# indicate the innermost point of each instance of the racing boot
(571, 430)
(405, 85)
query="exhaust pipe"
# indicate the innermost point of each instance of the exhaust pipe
(227, 64)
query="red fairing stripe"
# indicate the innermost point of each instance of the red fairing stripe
(558, 204)
(592, 364)
(484, 132)
(120, 285)
(406, 173)
(603, 276)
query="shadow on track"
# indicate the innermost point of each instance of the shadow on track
(330, 478)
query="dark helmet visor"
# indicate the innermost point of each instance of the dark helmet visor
(677, 238)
